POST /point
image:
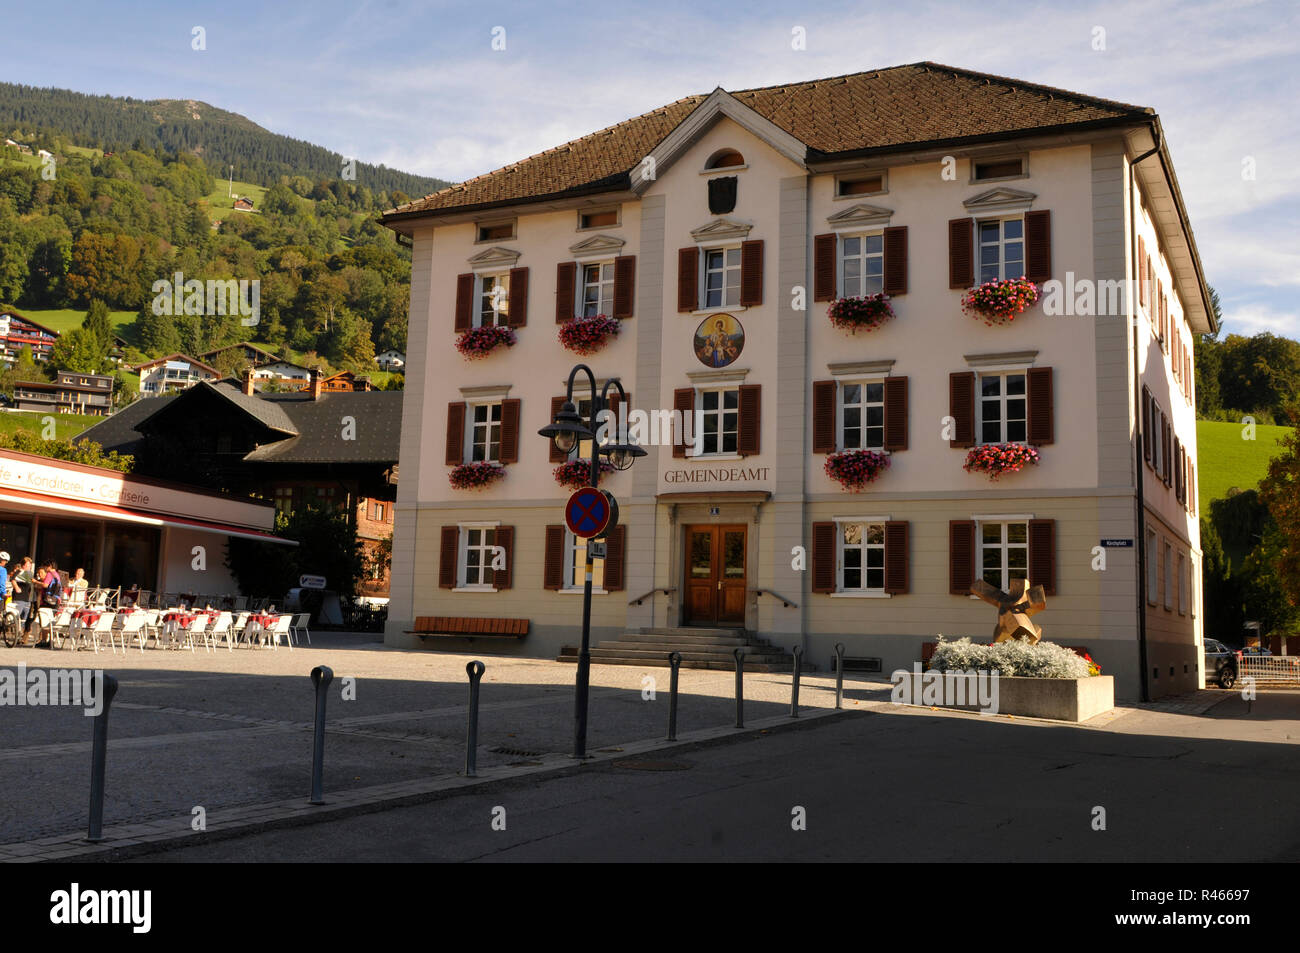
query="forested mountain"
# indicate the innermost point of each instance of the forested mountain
(222, 139)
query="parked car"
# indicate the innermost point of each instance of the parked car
(1220, 663)
(1253, 650)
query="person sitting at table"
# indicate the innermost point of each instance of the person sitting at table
(77, 588)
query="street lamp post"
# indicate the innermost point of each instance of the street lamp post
(568, 430)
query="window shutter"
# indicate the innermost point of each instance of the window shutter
(557, 455)
(961, 407)
(747, 436)
(684, 402)
(1038, 385)
(895, 413)
(1142, 275)
(688, 279)
(823, 557)
(566, 277)
(1146, 425)
(896, 556)
(895, 263)
(553, 570)
(615, 552)
(510, 430)
(824, 265)
(824, 412)
(1038, 246)
(1042, 555)
(464, 302)
(961, 556)
(455, 434)
(505, 538)
(1168, 459)
(518, 306)
(1158, 306)
(448, 552)
(624, 285)
(751, 273)
(961, 253)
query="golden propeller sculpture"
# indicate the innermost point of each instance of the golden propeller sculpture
(1014, 609)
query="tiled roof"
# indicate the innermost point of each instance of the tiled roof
(876, 110)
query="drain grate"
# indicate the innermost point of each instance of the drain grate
(642, 764)
(516, 752)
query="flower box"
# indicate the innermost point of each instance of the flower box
(588, 335)
(577, 473)
(1062, 699)
(865, 313)
(475, 476)
(995, 459)
(854, 469)
(480, 342)
(998, 302)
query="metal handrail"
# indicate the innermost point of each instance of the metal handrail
(789, 604)
(639, 599)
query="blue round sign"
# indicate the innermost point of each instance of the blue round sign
(587, 512)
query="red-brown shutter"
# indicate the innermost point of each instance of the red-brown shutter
(1169, 450)
(1038, 246)
(895, 263)
(464, 302)
(455, 433)
(961, 253)
(1038, 387)
(750, 422)
(556, 455)
(896, 580)
(510, 430)
(505, 538)
(624, 285)
(1142, 275)
(615, 553)
(824, 267)
(823, 557)
(1042, 555)
(824, 400)
(566, 276)
(688, 279)
(1158, 305)
(751, 273)
(961, 556)
(518, 306)
(895, 413)
(961, 407)
(684, 405)
(553, 569)
(448, 551)
(1146, 425)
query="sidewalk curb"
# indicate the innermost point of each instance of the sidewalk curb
(125, 841)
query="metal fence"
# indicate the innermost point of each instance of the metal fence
(1283, 669)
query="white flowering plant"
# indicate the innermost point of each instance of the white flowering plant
(1014, 657)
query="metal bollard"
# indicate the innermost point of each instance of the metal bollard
(321, 676)
(839, 674)
(797, 652)
(474, 670)
(98, 758)
(740, 687)
(674, 663)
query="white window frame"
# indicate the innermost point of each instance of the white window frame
(705, 271)
(500, 303)
(1153, 568)
(574, 581)
(472, 428)
(1001, 244)
(604, 302)
(1002, 399)
(701, 415)
(861, 591)
(1004, 546)
(462, 557)
(841, 406)
(862, 258)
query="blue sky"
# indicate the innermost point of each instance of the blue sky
(419, 87)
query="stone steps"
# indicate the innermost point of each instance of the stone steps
(711, 648)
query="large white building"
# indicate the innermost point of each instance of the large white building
(718, 230)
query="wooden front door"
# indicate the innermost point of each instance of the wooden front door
(715, 575)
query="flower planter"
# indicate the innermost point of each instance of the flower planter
(588, 335)
(865, 313)
(854, 469)
(577, 473)
(478, 343)
(475, 476)
(1062, 699)
(997, 459)
(1000, 302)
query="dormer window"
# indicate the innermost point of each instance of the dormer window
(724, 159)
(998, 169)
(496, 231)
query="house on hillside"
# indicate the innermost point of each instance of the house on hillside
(17, 332)
(391, 360)
(171, 373)
(343, 382)
(250, 352)
(243, 205)
(70, 392)
(282, 371)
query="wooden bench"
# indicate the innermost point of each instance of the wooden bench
(456, 627)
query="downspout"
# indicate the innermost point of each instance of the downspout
(1139, 429)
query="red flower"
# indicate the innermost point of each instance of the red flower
(867, 312)
(480, 342)
(588, 335)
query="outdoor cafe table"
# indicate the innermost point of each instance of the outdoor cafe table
(257, 623)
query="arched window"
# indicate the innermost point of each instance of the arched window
(725, 159)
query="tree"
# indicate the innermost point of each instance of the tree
(157, 333)
(1280, 492)
(327, 546)
(85, 451)
(1207, 359)
(98, 322)
(1222, 595)
(1260, 373)
(78, 350)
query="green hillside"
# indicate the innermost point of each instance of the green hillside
(66, 426)
(1225, 460)
(221, 204)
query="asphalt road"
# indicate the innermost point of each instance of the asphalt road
(905, 785)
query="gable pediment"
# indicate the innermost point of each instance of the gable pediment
(861, 215)
(1001, 199)
(495, 257)
(721, 229)
(597, 246)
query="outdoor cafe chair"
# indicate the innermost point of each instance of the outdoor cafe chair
(61, 629)
(132, 629)
(199, 627)
(281, 627)
(299, 625)
(103, 626)
(222, 629)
